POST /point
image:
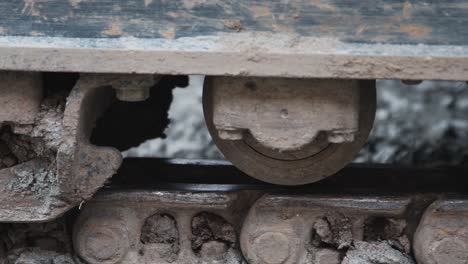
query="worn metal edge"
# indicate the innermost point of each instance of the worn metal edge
(241, 54)
(182, 197)
(381, 203)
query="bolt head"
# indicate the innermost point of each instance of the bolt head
(103, 244)
(272, 247)
(450, 250)
(133, 95)
(231, 134)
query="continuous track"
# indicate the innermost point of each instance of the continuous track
(179, 211)
(289, 98)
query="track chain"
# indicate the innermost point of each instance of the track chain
(257, 227)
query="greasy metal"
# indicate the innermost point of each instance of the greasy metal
(290, 143)
(68, 169)
(442, 235)
(219, 175)
(115, 216)
(411, 82)
(285, 114)
(398, 39)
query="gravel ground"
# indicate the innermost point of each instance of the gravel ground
(425, 124)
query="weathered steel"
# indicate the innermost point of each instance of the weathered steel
(289, 132)
(55, 166)
(297, 229)
(132, 89)
(325, 38)
(48, 164)
(164, 227)
(299, 225)
(161, 227)
(285, 114)
(442, 235)
(381, 21)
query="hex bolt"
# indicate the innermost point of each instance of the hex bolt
(213, 251)
(133, 88)
(337, 137)
(272, 247)
(133, 95)
(231, 134)
(449, 250)
(103, 240)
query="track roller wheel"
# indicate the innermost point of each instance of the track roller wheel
(289, 131)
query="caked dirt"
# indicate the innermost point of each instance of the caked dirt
(214, 240)
(31, 149)
(35, 244)
(383, 241)
(161, 232)
(212, 231)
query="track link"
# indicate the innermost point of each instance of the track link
(254, 222)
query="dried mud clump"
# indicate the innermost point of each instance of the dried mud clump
(35, 243)
(161, 233)
(333, 230)
(391, 230)
(21, 143)
(383, 241)
(212, 236)
(31, 149)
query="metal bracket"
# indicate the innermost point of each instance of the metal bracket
(286, 114)
(67, 169)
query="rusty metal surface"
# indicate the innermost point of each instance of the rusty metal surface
(49, 165)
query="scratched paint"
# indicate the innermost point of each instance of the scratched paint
(113, 30)
(415, 30)
(384, 21)
(29, 8)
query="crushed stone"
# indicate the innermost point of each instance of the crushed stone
(375, 253)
